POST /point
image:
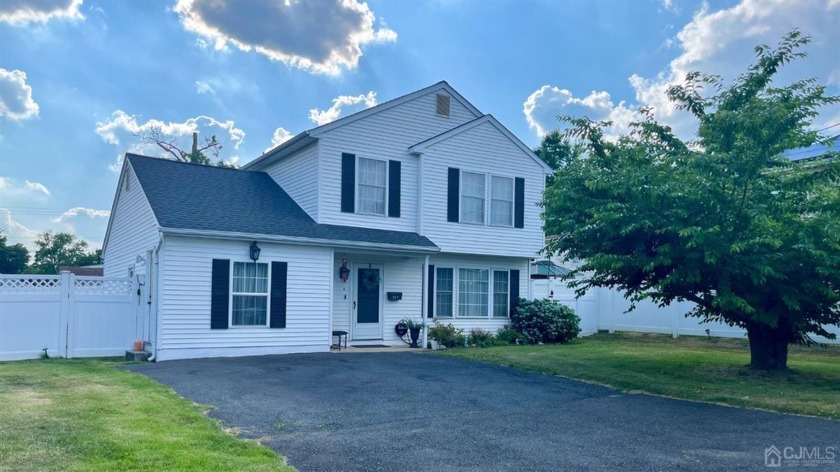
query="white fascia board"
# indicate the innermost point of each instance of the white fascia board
(298, 240)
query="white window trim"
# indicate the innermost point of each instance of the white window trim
(454, 294)
(231, 293)
(493, 294)
(387, 184)
(456, 279)
(461, 198)
(490, 200)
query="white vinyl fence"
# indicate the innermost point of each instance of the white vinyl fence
(604, 309)
(68, 315)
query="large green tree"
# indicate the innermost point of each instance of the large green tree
(725, 221)
(61, 249)
(556, 150)
(13, 258)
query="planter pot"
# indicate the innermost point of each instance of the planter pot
(415, 335)
(435, 344)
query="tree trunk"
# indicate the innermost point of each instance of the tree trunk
(768, 347)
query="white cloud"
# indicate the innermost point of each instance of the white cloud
(319, 36)
(38, 187)
(76, 211)
(13, 189)
(718, 42)
(280, 136)
(721, 42)
(203, 87)
(14, 230)
(18, 12)
(355, 102)
(543, 106)
(16, 101)
(121, 130)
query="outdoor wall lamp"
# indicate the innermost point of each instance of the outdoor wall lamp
(255, 251)
(343, 271)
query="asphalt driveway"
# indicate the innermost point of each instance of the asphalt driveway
(412, 412)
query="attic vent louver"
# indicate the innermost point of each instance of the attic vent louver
(443, 104)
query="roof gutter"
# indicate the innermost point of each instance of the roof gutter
(300, 241)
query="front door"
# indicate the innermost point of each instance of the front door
(367, 306)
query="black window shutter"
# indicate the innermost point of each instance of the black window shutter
(279, 276)
(514, 289)
(454, 194)
(394, 180)
(430, 293)
(519, 203)
(348, 182)
(219, 294)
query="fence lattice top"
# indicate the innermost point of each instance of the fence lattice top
(52, 284)
(30, 284)
(99, 285)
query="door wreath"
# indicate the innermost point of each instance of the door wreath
(370, 279)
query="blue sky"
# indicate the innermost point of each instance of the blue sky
(79, 77)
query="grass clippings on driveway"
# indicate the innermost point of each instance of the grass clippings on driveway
(90, 415)
(689, 367)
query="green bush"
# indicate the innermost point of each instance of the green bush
(479, 337)
(447, 335)
(545, 321)
(509, 335)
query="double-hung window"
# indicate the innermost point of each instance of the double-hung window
(249, 294)
(501, 201)
(372, 184)
(501, 293)
(472, 197)
(473, 292)
(444, 291)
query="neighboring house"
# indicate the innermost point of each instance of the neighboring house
(812, 152)
(419, 207)
(91, 270)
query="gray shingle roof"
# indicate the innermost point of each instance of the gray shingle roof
(207, 198)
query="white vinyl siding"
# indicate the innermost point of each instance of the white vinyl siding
(500, 157)
(501, 201)
(299, 176)
(501, 293)
(473, 290)
(444, 292)
(249, 294)
(185, 292)
(386, 135)
(372, 186)
(133, 231)
(472, 197)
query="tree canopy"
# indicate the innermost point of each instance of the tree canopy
(725, 221)
(13, 258)
(62, 249)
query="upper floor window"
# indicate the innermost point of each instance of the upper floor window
(501, 201)
(372, 185)
(472, 197)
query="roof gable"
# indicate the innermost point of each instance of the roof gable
(422, 146)
(307, 137)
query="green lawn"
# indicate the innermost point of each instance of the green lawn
(89, 415)
(689, 367)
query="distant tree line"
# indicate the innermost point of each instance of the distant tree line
(53, 250)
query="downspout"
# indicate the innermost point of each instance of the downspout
(153, 291)
(425, 292)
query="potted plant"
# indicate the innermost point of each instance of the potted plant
(414, 330)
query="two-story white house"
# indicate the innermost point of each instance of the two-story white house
(421, 207)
